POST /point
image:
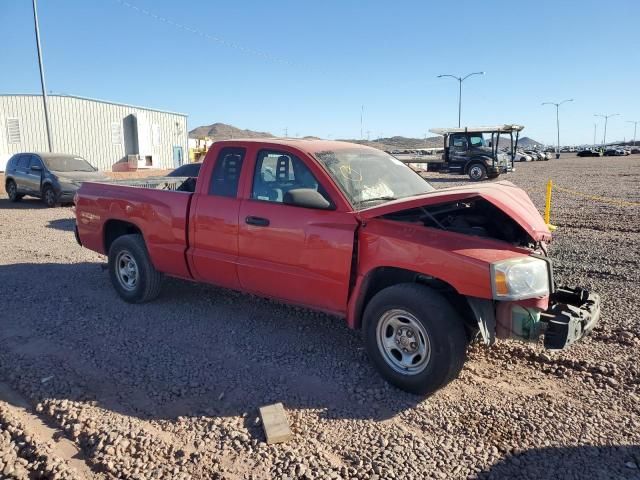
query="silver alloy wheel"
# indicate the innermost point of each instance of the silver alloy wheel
(403, 342)
(475, 172)
(126, 270)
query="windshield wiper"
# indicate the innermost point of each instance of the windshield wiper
(377, 199)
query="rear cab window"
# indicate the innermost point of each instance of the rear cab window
(226, 172)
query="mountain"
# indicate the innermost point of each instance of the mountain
(526, 142)
(222, 131)
(399, 143)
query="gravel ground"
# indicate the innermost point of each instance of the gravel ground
(93, 388)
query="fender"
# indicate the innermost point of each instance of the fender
(484, 159)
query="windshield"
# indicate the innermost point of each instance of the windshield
(368, 176)
(68, 164)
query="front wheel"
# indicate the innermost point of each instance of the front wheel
(132, 274)
(414, 337)
(477, 172)
(49, 196)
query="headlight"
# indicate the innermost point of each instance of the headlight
(520, 278)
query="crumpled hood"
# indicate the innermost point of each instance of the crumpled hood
(512, 200)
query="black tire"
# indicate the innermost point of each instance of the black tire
(49, 196)
(477, 172)
(444, 329)
(147, 282)
(12, 191)
(492, 176)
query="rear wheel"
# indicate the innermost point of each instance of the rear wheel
(49, 196)
(477, 172)
(132, 274)
(12, 191)
(414, 337)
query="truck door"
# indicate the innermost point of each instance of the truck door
(298, 254)
(458, 152)
(213, 230)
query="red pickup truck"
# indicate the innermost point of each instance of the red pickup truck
(352, 231)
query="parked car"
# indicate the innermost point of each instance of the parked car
(52, 177)
(521, 156)
(537, 156)
(634, 150)
(589, 152)
(186, 170)
(350, 230)
(614, 152)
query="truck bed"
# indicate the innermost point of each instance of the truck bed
(162, 215)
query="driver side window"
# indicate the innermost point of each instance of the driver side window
(278, 172)
(459, 142)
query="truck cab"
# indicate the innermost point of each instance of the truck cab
(477, 151)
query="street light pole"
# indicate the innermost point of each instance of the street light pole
(558, 120)
(44, 88)
(595, 129)
(606, 119)
(460, 80)
(635, 127)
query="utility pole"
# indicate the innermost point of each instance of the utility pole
(635, 127)
(361, 114)
(606, 119)
(558, 120)
(460, 80)
(286, 132)
(595, 129)
(368, 134)
(44, 88)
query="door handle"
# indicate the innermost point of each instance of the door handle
(257, 221)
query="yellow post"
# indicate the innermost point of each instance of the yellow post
(547, 206)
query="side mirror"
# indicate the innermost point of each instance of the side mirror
(306, 197)
(36, 168)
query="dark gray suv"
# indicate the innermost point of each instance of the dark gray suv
(53, 177)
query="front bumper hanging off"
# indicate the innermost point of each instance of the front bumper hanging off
(572, 314)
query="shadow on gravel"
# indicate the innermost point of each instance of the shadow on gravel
(24, 204)
(66, 224)
(592, 462)
(196, 350)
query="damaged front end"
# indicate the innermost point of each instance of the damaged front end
(571, 314)
(524, 303)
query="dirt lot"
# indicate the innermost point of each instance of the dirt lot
(91, 387)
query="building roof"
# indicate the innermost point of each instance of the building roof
(64, 95)
(487, 128)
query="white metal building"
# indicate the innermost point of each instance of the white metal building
(105, 133)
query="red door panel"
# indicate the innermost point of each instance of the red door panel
(214, 240)
(303, 255)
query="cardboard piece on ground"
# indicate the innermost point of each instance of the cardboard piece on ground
(275, 423)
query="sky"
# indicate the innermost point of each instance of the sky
(312, 68)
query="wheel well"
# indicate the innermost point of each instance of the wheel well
(116, 228)
(474, 161)
(383, 277)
